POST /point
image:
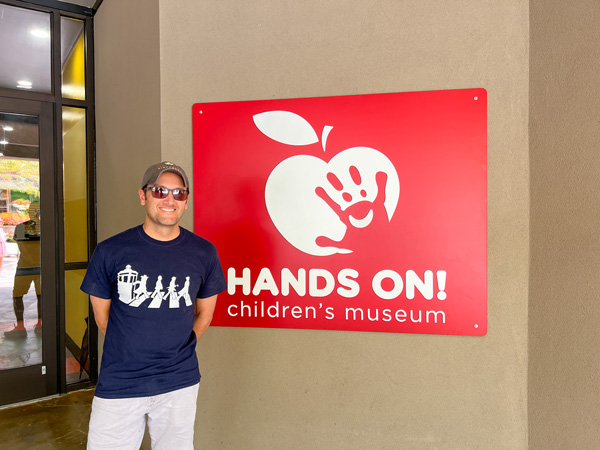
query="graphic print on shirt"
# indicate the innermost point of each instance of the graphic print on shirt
(133, 290)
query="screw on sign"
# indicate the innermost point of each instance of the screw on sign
(309, 222)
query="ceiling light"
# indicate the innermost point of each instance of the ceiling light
(38, 32)
(4, 142)
(23, 84)
(7, 128)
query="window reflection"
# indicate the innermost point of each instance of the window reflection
(73, 58)
(20, 235)
(76, 328)
(75, 184)
(25, 53)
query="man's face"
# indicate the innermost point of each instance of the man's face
(164, 212)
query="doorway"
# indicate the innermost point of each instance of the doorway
(28, 340)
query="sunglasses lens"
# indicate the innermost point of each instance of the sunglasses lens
(179, 195)
(159, 192)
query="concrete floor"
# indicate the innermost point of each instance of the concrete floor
(59, 423)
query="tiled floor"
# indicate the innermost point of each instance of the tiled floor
(19, 352)
(59, 423)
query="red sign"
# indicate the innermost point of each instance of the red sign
(364, 213)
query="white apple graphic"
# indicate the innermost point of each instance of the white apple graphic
(306, 195)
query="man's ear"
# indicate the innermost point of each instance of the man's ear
(142, 195)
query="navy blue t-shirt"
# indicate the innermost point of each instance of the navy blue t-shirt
(149, 347)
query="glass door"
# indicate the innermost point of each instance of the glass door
(28, 294)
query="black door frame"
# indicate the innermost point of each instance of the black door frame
(40, 380)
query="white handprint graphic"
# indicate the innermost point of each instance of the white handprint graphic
(314, 203)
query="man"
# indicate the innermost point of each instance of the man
(27, 235)
(149, 371)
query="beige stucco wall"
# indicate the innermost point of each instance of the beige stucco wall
(128, 128)
(268, 389)
(565, 216)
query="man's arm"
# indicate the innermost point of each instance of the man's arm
(205, 307)
(101, 308)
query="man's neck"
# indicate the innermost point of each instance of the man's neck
(161, 233)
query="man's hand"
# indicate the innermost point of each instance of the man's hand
(205, 307)
(101, 307)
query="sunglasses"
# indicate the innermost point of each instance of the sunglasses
(160, 192)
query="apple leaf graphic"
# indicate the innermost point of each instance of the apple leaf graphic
(285, 127)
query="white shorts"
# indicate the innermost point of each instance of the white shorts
(119, 424)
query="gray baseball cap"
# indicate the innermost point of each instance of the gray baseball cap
(155, 170)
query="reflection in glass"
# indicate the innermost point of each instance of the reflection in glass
(25, 53)
(20, 217)
(72, 45)
(75, 184)
(76, 314)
